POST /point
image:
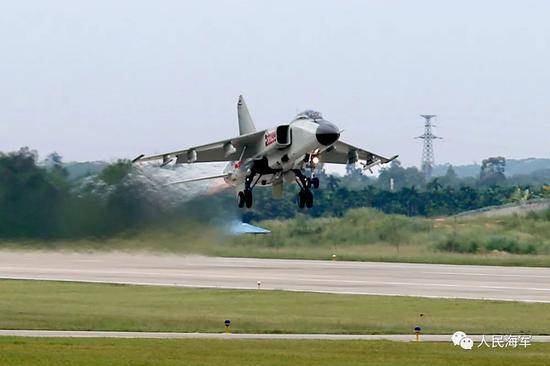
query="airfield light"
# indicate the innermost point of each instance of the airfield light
(417, 330)
(227, 324)
(259, 284)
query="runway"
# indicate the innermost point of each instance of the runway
(426, 280)
(167, 335)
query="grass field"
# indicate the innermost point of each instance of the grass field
(366, 234)
(114, 352)
(79, 306)
(362, 234)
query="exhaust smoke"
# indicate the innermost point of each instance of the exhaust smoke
(155, 179)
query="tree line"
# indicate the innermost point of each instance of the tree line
(406, 191)
(38, 200)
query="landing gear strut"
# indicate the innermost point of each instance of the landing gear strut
(314, 182)
(244, 198)
(305, 196)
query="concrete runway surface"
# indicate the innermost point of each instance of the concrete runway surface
(166, 335)
(426, 280)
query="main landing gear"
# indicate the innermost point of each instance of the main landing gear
(305, 196)
(244, 198)
(304, 199)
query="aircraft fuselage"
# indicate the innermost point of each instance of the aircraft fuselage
(287, 148)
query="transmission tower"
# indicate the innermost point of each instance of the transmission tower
(428, 159)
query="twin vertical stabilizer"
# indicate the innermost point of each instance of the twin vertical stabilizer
(246, 125)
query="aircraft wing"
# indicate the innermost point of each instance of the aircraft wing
(241, 147)
(342, 153)
(197, 179)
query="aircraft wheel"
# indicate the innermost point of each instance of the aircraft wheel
(241, 199)
(315, 182)
(309, 199)
(301, 199)
(248, 198)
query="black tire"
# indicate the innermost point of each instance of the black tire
(240, 199)
(309, 199)
(248, 198)
(301, 199)
(315, 182)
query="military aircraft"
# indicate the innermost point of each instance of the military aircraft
(287, 153)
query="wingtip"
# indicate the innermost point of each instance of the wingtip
(138, 158)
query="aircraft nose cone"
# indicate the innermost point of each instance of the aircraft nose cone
(327, 133)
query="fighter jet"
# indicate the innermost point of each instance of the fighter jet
(287, 153)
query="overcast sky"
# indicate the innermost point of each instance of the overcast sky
(100, 80)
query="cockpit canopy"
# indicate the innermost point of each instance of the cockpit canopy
(311, 114)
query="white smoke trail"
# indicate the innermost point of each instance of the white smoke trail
(155, 180)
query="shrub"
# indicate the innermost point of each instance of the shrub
(510, 245)
(458, 244)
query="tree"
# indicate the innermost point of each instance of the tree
(492, 171)
(29, 196)
(115, 173)
(354, 178)
(332, 182)
(354, 171)
(434, 185)
(450, 179)
(409, 177)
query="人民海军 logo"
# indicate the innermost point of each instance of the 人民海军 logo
(461, 339)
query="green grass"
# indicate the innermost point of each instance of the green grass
(80, 306)
(366, 234)
(362, 234)
(114, 352)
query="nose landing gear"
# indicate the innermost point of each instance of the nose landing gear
(305, 196)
